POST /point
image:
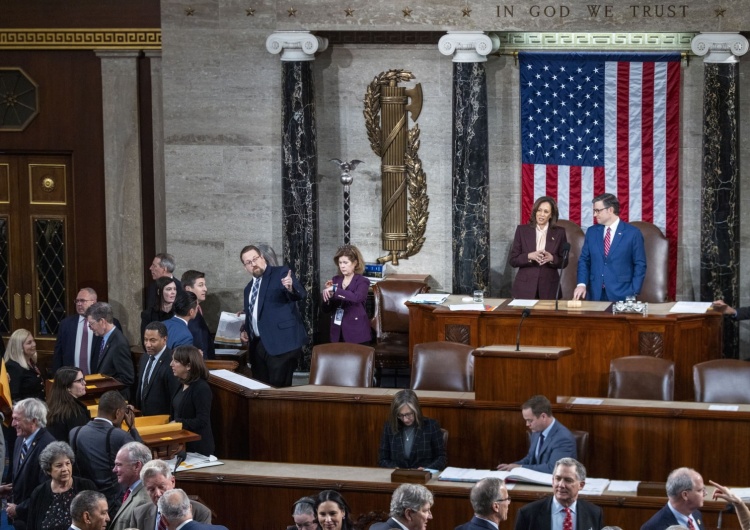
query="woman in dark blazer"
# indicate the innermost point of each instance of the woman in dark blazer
(345, 296)
(409, 439)
(192, 404)
(65, 407)
(26, 380)
(166, 292)
(537, 252)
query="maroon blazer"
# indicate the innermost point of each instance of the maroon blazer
(533, 280)
(355, 325)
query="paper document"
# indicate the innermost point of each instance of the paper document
(728, 408)
(467, 307)
(194, 461)
(595, 486)
(428, 298)
(228, 330)
(519, 474)
(520, 302)
(742, 493)
(587, 401)
(690, 307)
(625, 486)
(241, 380)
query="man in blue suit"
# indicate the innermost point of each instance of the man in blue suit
(273, 323)
(174, 507)
(612, 265)
(490, 500)
(550, 439)
(185, 309)
(686, 491)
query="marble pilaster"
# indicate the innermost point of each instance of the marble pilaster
(720, 215)
(470, 172)
(122, 186)
(157, 129)
(299, 166)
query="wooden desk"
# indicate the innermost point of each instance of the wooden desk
(265, 492)
(165, 445)
(629, 440)
(596, 337)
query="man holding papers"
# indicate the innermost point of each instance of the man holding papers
(550, 440)
(564, 509)
(490, 500)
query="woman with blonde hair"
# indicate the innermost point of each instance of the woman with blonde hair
(26, 380)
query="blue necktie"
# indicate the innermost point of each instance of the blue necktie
(24, 451)
(539, 447)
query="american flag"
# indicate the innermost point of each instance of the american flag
(602, 122)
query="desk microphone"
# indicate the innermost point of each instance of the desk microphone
(181, 457)
(566, 252)
(526, 312)
(728, 509)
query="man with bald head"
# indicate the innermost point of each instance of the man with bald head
(686, 491)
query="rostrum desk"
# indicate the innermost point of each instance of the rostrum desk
(596, 337)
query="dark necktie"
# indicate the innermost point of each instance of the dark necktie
(568, 522)
(539, 446)
(607, 241)
(83, 356)
(253, 299)
(24, 451)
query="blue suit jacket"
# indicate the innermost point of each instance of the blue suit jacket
(664, 518)
(559, 444)
(476, 524)
(195, 525)
(178, 333)
(279, 320)
(621, 272)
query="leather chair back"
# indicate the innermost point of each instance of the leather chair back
(582, 445)
(641, 377)
(575, 237)
(342, 364)
(391, 315)
(722, 381)
(446, 366)
(657, 258)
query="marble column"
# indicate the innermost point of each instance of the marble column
(720, 181)
(470, 176)
(299, 161)
(122, 186)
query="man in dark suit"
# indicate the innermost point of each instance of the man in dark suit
(29, 420)
(410, 508)
(273, 324)
(156, 384)
(686, 491)
(129, 461)
(195, 282)
(563, 506)
(162, 265)
(490, 500)
(96, 445)
(113, 357)
(612, 265)
(175, 507)
(550, 439)
(185, 308)
(89, 511)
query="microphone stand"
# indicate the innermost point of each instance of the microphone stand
(526, 312)
(566, 252)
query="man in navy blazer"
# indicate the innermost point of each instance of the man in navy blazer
(616, 273)
(114, 358)
(490, 500)
(185, 308)
(157, 384)
(273, 323)
(686, 491)
(174, 507)
(195, 282)
(568, 479)
(411, 506)
(550, 439)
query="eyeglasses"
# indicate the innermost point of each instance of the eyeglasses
(404, 416)
(703, 490)
(252, 261)
(597, 210)
(82, 380)
(502, 500)
(81, 300)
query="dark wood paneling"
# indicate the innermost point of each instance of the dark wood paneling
(81, 14)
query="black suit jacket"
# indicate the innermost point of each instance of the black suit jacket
(65, 345)
(202, 336)
(27, 476)
(156, 396)
(151, 292)
(664, 518)
(428, 449)
(538, 516)
(476, 524)
(116, 360)
(390, 523)
(192, 407)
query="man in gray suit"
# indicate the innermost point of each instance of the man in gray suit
(158, 479)
(129, 461)
(175, 508)
(410, 508)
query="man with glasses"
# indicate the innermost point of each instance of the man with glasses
(490, 500)
(686, 491)
(612, 265)
(273, 324)
(563, 510)
(303, 513)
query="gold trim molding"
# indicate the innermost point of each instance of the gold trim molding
(80, 39)
(516, 41)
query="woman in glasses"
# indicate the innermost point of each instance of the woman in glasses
(409, 439)
(65, 407)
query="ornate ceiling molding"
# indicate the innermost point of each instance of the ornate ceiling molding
(80, 39)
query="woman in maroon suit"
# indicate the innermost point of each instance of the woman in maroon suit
(345, 296)
(537, 252)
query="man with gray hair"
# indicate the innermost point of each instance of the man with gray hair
(113, 356)
(303, 514)
(157, 478)
(30, 422)
(686, 491)
(162, 265)
(410, 508)
(490, 500)
(563, 509)
(89, 511)
(129, 461)
(175, 508)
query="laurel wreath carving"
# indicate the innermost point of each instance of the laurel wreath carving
(415, 176)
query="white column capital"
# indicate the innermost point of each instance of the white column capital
(468, 46)
(719, 47)
(296, 45)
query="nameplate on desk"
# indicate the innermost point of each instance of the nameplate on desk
(410, 476)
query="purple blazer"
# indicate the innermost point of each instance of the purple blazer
(533, 278)
(355, 325)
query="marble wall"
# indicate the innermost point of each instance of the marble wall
(222, 120)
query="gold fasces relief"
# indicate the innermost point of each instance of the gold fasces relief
(386, 110)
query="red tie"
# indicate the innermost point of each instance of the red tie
(125, 497)
(83, 356)
(690, 524)
(607, 241)
(568, 522)
(163, 523)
